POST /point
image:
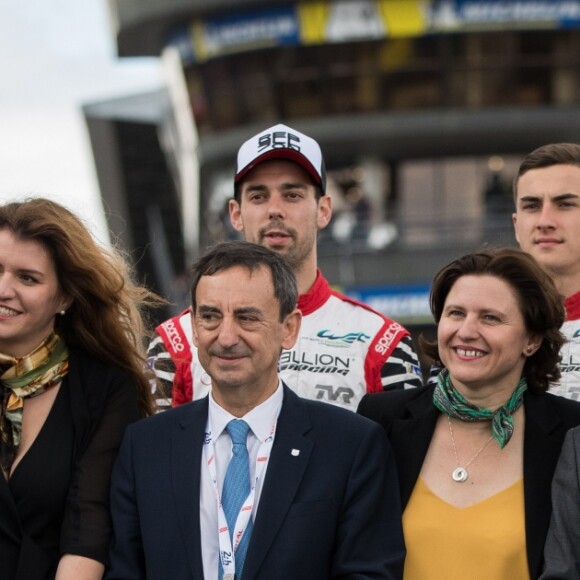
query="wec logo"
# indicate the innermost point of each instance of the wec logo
(348, 338)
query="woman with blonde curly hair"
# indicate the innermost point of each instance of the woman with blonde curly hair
(72, 377)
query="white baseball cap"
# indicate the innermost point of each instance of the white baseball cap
(282, 142)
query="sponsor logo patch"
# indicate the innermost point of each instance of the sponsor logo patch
(327, 392)
(317, 363)
(570, 368)
(173, 336)
(414, 369)
(342, 339)
(279, 140)
(388, 337)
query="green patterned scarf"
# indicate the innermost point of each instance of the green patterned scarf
(449, 401)
(22, 377)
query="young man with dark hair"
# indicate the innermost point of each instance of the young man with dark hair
(547, 226)
(345, 349)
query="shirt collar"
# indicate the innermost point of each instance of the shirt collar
(572, 305)
(316, 296)
(260, 418)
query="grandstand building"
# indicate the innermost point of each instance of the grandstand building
(423, 110)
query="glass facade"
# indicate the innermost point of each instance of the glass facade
(479, 70)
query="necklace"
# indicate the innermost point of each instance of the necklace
(460, 473)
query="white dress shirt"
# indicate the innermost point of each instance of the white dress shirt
(261, 420)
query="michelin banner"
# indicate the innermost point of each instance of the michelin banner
(468, 15)
(334, 21)
(301, 23)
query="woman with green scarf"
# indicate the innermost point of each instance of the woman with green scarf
(476, 452)
(71, 379)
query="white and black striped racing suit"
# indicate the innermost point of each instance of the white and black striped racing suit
(344, 350)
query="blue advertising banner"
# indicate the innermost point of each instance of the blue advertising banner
(405, 304)
(300, 23)
(333, 21)
(479, 14)
(238, 32)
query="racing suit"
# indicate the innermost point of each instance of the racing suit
(569, 384)
(344, 350)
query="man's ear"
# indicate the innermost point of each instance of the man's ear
(515, 222)
(291, 328)
(194, 336)
(236, 215)
(324, 211)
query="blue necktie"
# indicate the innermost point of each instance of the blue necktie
(236, 488)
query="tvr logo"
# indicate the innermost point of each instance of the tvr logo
(333, 395)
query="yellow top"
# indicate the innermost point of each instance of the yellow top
(483, 541)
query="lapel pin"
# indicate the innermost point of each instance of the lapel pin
(295, 452)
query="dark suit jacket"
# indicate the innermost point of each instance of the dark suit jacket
(409, 418)
(333, 511)
(562, 553)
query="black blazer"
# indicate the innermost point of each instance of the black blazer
(57, 500)
(409, 419)
(562, 553)
(329, 506)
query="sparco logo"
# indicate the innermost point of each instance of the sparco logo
(576, 334)
(332, 395)
(173, 336)
(386, 340)
(319, 363)
(348, 338)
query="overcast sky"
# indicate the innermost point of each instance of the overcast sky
(55, 56)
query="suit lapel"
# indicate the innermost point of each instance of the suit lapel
(410, 438)
(541, 452)
(186, 450)
(284, 473)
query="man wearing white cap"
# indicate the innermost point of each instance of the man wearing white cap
(345, 349)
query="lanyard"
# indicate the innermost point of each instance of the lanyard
(225, 544)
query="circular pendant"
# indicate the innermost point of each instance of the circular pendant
(459, 474)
